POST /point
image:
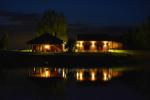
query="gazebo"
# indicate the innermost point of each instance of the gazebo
(46, 43)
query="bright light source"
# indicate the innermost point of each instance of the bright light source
(93, 76)
(77, 45)
(79, 76)
(81, 43)
(47, 46)
(93, 43)
(105, 76)
(105, 43)
(63, 73)
(45, 73)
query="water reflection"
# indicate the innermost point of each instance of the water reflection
(78, 74)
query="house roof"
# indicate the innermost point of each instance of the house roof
(99, 37)
(45, 38)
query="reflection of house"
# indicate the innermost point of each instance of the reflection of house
(46, 43)
(79, 74)
(97, 42)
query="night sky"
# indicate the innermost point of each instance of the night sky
(94, 12)
(19, 18)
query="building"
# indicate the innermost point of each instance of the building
(47, 43)
(97, 42)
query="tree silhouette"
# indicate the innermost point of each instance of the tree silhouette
(4, 42)
(140, 35)
(53, 22)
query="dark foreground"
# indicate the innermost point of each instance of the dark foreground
(68, 59)
(15, 85)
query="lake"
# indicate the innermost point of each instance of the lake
(46, 82)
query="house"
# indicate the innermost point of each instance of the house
(98, 42)
(47, 43)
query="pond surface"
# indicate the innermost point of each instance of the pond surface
(75, 83)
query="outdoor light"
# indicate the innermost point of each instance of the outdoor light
(77, 45)
(81, 43)
(105, 43)
(93, 43)
(47, 46)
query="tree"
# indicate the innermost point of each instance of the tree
(139, 36)
(70, 45)
(53, 22)
(4, 42)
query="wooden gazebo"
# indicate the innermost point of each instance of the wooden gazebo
(46, 43)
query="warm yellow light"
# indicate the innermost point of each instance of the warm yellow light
(77, 45)
(81, 43)
(79, 76)
(45, 73)
(105, 43)
(47, 46)
(63, 73)
(34, 69)
(105, 77)
(93, 76)
(93, 43)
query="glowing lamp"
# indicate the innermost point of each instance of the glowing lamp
(47, 46)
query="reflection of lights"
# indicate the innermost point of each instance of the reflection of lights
(93, 76)
(47, 46)
(34, 69)
(46, 74)
(105, 76)
(63, 73)
(79, 76)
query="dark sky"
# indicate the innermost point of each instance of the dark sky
(94, 12)
(17, 18)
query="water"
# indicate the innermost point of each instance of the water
(62, 83)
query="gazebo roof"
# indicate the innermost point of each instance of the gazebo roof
(45, 38)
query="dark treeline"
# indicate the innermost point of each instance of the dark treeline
(138, 37)
(53, 22)
(4, 42)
